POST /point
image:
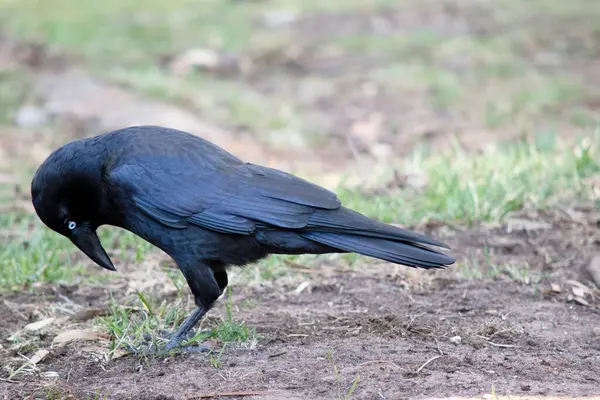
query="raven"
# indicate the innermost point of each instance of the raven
(205, 208)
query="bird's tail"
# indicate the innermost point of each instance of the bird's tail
(349, 231)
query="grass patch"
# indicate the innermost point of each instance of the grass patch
(30, 252)
(341, 393)
(32, 256)
(132, 32)
(141, 322)
(470, 188)
(482, 268)
(230, 330)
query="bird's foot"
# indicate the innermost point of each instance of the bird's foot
(175, 342)
(159, 351)
(175, 339)
(151, 346)
(165, 336)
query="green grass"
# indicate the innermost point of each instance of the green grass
(341, 392)
(132, 32)
(30, 252)
(38, 256)
(132, 325)
(470, 187)
(483, 268)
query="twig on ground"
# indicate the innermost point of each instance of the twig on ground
(278, 354)
(427, 362)
(412, 319)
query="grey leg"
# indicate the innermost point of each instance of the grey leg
(183, 330)
(183, 333)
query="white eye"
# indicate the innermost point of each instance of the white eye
(71, 225)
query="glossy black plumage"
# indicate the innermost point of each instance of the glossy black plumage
(205, 208)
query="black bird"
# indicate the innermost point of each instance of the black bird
(205, 208)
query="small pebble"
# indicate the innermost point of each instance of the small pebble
(456, 340)
(279, 18)
(30, 117)
(50, 374)
(38, 325)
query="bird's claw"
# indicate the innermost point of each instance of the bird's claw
(153, 350)
(150, 347)
(166, 335)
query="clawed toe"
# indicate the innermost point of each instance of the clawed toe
(194, 349)
(174, 340)
(152, 349)
(167, 336)
(152, 345)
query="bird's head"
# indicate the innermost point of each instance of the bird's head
(69, 197)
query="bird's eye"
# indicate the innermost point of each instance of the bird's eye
(71, 225)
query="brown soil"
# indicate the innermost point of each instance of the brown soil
(395, 328)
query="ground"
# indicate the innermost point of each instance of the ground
(471, 121)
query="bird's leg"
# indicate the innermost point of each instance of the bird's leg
(182, 333)
(220, 278)
(206, 285)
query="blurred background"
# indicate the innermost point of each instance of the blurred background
(310, 85)
(447, 116)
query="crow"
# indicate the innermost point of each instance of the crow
(204, 207)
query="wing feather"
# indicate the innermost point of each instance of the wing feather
(227, 199)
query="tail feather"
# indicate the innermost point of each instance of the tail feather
(350, 231)
(408, 254)
(347, 220)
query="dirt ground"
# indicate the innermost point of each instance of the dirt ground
(517, 315)
(406, 334)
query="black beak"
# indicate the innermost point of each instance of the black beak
(87, 241)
